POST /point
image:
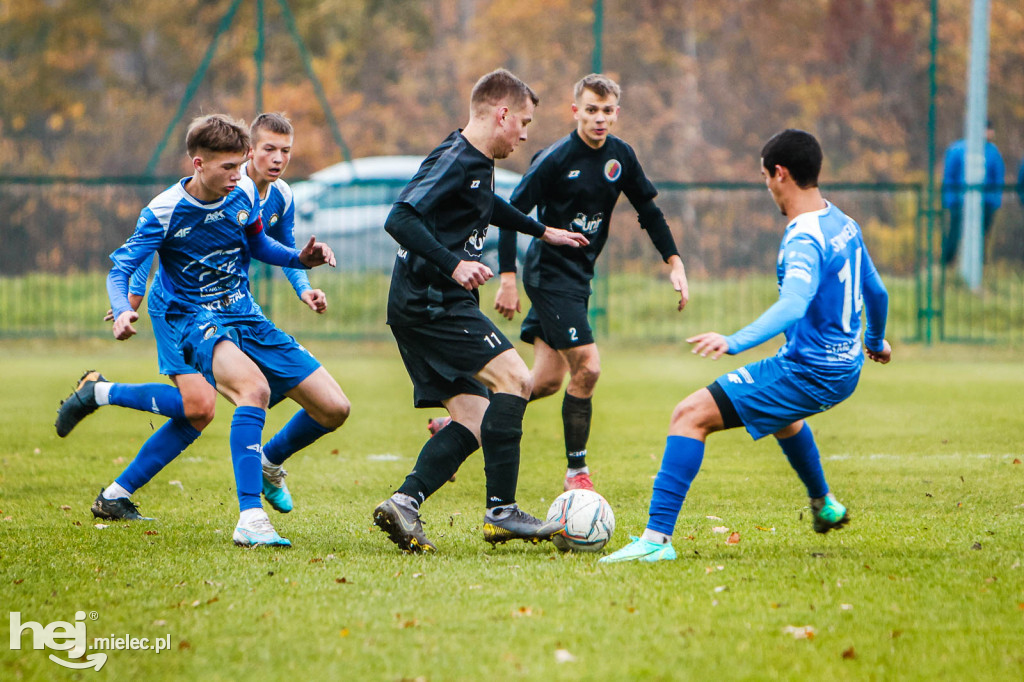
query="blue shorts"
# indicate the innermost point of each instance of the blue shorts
(771, 394)
(168, 351)
(283, 361)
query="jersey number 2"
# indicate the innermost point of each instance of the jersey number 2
(853, 300)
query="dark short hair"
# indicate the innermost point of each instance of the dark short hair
(216, 133)
(272, 123)
(598, 83)
(798, 152)
(501, 85)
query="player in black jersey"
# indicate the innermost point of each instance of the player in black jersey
(454, 354)
(574, 184)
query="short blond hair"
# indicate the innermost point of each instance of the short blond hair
(599, 84)
(216, 133)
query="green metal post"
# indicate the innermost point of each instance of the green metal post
(599, 313)
(265, 284)
(190, 91)
(933, 47)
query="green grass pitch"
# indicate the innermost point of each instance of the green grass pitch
(926, 583)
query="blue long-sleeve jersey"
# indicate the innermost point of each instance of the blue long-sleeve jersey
(825, 278)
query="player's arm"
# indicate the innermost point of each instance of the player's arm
(652, 220)
(524, 198)
(799, 284)
(314, 298)
(407, 227)
(507, 217)
(134, 254)
(876, 304)
(271, 251)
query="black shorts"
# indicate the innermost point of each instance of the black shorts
(443, 356)
(558, 319)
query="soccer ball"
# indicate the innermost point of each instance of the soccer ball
(588, 519)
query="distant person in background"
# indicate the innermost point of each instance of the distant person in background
(1020, 182)
(953, 185)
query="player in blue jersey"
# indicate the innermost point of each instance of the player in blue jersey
(575, 183)
(204, 228)
(825, 277)
(454, 354)
(272, 136)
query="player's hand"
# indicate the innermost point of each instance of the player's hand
(678, 279)
(883, 356)
(470, 274)
(557, 237)
(709, 343)
(316, 299)
(316, 253)
(123, 328)
(506, 301)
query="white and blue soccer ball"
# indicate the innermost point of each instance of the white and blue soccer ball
(588, 519)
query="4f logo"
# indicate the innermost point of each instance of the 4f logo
(182, 233)
(216, 215)
(587, 225)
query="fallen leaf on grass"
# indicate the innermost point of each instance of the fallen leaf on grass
(19, 581)
(66, 507)
(100, 526)
(159, 623)
(768, 530)
(721, 588)
(846, 607)
(151, 532)
(522, 612)
(849, 653)
(184, 644)
(720, 529)
(714, 518)
(178, 484)
(734, 539)
(315, 560)
(976, 545)
(343, 632)
(800, 632)
(564, 656)
(1016, 460)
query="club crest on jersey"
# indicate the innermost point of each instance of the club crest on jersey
(210, 331)
(242, 217)
(273, 220)
(612, 170)
(475, 243)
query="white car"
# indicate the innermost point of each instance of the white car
(345, 205)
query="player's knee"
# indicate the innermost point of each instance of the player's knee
(200, 408)
(335, 413)
(518, 381)
(255, 395)
(545, 386)
(685, 416)
(586, 375)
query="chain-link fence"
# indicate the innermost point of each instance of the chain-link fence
(57, 236)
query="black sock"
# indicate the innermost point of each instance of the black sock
(500, 434)
(576, 416)
(440, 457)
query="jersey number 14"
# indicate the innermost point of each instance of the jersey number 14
(853, 299)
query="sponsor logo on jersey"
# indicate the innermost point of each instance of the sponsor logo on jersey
(216, 215)
(242, 217)
(475, 243)
(273, 220)
(182, 233)
(612, 170)
(474, 185)
(587, 225)
(402, 253)
(573, 174)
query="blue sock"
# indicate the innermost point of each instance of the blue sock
(805, 460)
(679, 466)
(246, 438)
(300, 431)
(156, 398)
(168, 442)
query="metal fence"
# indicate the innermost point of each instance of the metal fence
(56, 235)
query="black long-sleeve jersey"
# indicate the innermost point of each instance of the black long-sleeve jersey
(440, 219)
(575, 187)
